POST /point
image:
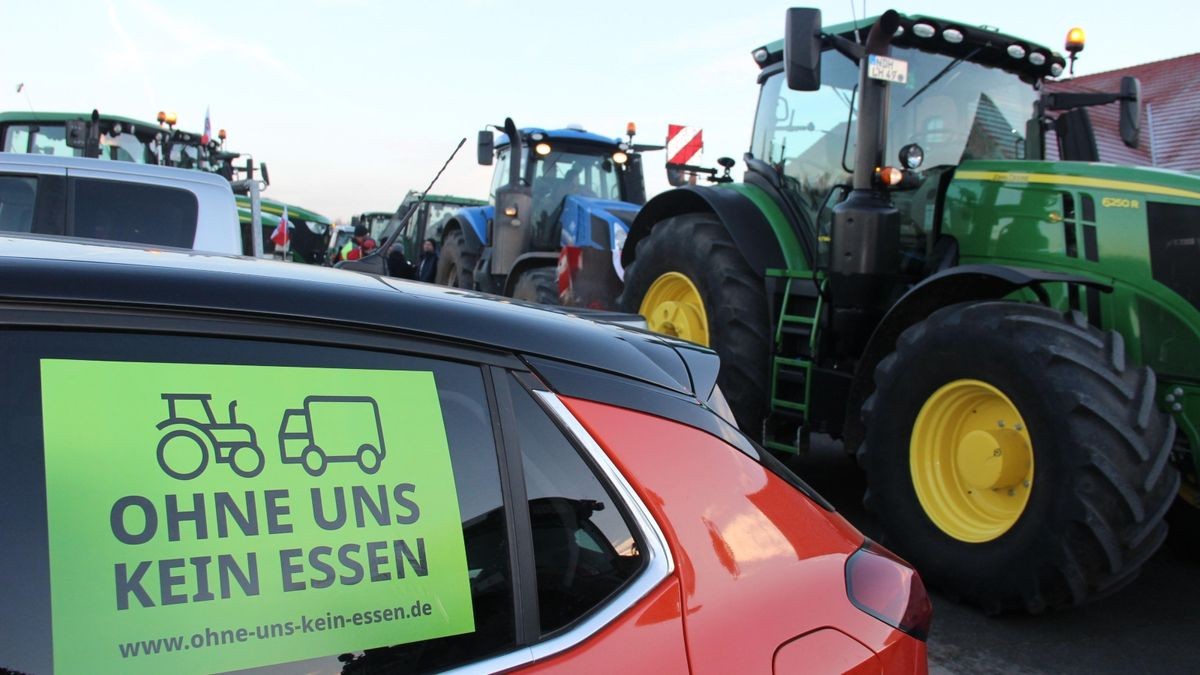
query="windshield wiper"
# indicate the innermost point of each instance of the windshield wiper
(941, 73)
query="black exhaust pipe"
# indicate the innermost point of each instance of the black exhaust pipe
(864, 260)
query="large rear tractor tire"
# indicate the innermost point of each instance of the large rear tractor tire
(1015, 457)
(456, 265)
(539, 285)
(689, 281)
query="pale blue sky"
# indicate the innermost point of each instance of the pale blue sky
(354, 102)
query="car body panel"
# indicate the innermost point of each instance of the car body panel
(742, 538)
(217, 228)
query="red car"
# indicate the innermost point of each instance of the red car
(556, 493)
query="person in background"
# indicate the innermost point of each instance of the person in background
(363, 243)
(427, 265)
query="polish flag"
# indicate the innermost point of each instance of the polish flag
(280, 235)
(207, 136)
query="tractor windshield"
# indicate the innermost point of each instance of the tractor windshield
(562, 173)
(51, 139)
(969, 111)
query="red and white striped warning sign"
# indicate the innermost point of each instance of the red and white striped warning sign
(683, 143)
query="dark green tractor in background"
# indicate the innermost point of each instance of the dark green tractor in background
(1007, 343)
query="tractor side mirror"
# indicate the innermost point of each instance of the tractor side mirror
(487, 147)
(265, 174)
(802, 49)
(1131, 110)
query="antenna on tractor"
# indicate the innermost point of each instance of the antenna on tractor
(28, 101)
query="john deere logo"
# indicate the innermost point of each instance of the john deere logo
(326, 429)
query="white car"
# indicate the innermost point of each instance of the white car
(118, 201)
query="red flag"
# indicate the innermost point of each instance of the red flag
(207, 136)
(280, 235)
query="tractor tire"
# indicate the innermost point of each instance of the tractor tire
(456, 265)
(539, 285)
(731, 316)
(193, 444)
(1015, 458)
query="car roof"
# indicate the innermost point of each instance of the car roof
(55, 271)
(11, 160)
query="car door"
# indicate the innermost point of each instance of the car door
(187, 494)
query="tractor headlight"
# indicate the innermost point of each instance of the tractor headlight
(912, 156)
(620, 157)
(542, 149)
(923, 30)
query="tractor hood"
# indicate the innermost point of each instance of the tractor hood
(1118, 182)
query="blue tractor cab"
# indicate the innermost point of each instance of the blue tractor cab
(561, 202)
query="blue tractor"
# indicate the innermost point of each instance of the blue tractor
(560, 207)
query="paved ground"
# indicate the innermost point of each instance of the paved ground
(1153, 626)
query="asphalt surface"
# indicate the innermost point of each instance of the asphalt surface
(1151, 626)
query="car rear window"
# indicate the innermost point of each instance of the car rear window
(132, 212)
(128, 550)
(18, 195)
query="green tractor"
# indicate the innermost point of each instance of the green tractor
(1005, 342)
(125, 139)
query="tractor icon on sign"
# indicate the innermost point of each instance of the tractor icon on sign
(192, 435)
(332, 429)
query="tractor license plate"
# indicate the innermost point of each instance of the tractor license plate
(887, 69)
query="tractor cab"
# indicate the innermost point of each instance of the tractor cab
(112, 137)
(957, 94)
(559, 196)
(555, 164)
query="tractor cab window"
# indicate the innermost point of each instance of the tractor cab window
(125, 147)
(499, 174)
(435, 218)
(184, 156)
(803, 134)
(955, 110)
(51, 139)
(560, 174)
(38, 139)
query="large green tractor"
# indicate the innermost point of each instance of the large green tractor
(1007, 343)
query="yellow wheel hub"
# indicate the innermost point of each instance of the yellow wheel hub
(971, 461)
(673, 307)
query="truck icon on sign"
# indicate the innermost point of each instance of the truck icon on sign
(332, 429)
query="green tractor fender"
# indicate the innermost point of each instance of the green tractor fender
(744, 219)
(961, 283)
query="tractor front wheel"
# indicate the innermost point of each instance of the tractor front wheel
(1015, 457)
(183, 453)
(456, 265)
(539, 285)
(689, 281)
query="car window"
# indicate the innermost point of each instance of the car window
(18, 195)
(132, 212)
(584, 548)
(189, 504)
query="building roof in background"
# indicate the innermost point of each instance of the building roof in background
(1170, 137)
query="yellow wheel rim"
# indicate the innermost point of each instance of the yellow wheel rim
(971, 460)
(673, 307)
